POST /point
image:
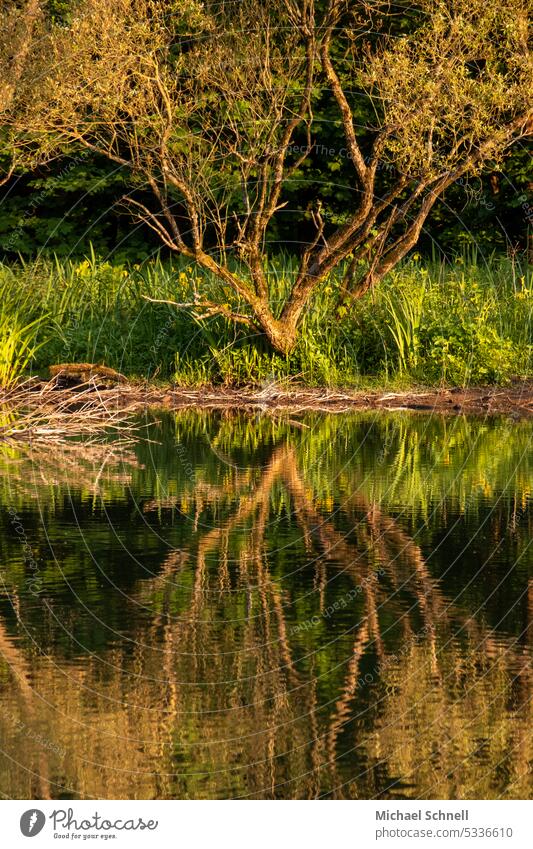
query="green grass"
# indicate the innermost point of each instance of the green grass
(458, 322)
(18, 338)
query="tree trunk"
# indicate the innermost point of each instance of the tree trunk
(282, 335)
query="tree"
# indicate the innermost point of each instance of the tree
(16, 49)
(210, 107)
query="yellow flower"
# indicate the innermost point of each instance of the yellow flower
(83, 268)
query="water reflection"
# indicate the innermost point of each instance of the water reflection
(335, 606)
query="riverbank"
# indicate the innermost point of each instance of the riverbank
(96, 401)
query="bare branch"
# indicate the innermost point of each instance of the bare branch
(208, 309)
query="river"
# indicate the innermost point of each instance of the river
(237, 606)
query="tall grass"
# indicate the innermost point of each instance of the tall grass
(21, 335)
(404, 309)
(430, 322)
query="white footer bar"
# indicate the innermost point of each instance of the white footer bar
(268, 825)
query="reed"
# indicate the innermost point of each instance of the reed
(432, 322)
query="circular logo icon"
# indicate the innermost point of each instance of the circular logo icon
(32, 822)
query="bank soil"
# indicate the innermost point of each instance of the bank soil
(515, 400)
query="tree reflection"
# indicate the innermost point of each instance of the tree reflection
(347, 671)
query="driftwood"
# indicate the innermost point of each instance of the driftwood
(35, 411)
(50, 410)
(80, 373)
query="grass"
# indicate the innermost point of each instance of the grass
(18, 337)
(458, 322)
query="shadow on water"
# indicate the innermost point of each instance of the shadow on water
(246, 607)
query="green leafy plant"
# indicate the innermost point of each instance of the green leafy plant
(18, 346)
(404, 307)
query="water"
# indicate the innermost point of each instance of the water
(327, 607)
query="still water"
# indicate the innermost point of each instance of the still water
(234, 606)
